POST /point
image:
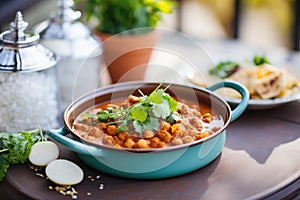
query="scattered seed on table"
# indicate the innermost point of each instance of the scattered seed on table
(101, 186)
(40, 175)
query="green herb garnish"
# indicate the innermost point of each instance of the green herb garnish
(143, 115)
(15, 148)
(227, 68)
(259, 60)
(224, 69)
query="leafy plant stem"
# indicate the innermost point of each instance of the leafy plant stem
(3, 150)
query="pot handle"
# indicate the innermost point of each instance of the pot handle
(237, 111)
(60, 136)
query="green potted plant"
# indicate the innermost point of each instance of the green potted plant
(126, 28)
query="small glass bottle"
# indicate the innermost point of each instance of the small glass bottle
(80, 52)
(28, 81)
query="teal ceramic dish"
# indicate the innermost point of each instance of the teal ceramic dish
(150, 163)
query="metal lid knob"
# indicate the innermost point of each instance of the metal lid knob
(65, 13)
(17, 35)
(20, 50)
(63, 23)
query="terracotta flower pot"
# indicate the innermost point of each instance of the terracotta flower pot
(127, 56)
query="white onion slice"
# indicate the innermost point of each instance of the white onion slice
(43, 153)
(64, 172)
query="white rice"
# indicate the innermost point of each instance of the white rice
(28, 101)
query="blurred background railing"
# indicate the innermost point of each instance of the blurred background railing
(265, 23)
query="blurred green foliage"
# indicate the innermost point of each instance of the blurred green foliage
(117, 16)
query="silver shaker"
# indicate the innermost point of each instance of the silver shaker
(79, 50)
(29, 96)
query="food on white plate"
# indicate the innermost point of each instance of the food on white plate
(43, 153)
(263, 80)
(64, 172)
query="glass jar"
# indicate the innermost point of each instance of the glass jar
(79, 50)
(28, 81)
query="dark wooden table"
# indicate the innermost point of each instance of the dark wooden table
(261, 160)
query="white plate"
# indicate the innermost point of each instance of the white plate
(254, 104)
(261, 104)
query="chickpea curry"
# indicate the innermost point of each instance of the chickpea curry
(156, 120)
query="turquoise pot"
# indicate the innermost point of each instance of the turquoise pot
(150, 163)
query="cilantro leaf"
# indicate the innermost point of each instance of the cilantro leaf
(138, 126)
(156, 96)
(151, 124)
(103, 116)
(138, 114)
(161, 110)
(123, 127)
(172, 102)
(172, 118)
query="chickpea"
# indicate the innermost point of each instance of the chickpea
(92, 139)
(174, 128)
(118, 145)
(102, 125)
(155, 142)
(165, 126)
(142, 144)
(80, 127)
(207, 117)
(184, 110)
(112, 106)
(160, 144)
(109, 140)
(215, 128)
(164, 135)
(148, 134)
(129, 143)
(133, 99)
(180, 133)
(95, 132)
(198, 137)
(176, 141)
(193, 132)
(196, 113)
(205, 134)
(196, 122)
(122, 136)
(84, 135)
(111, 130)
(187, 139)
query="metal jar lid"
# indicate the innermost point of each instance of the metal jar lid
(66, 35)
(20, 51)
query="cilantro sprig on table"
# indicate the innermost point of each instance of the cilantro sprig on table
(15, 148)
(145, 114)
